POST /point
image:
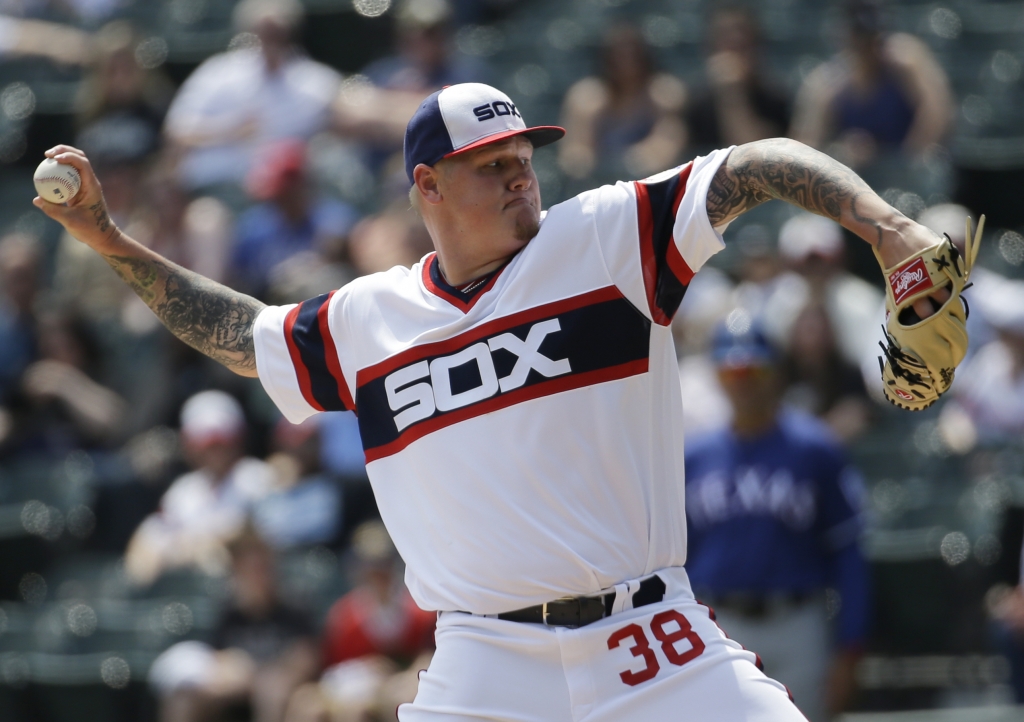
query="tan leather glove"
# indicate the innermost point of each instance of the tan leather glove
(921, 356)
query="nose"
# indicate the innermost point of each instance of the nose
(522, 178)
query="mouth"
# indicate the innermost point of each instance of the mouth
(517, 202)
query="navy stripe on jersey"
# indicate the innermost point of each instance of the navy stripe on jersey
(666, 274)
(565, 345)
(315, 357)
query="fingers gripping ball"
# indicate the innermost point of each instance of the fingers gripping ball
(56, 182)
(921, 356)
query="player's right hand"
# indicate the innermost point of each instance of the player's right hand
(84, 216)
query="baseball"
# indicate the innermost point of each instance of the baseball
(56, 182)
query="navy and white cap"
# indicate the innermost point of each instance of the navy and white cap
(466, 116)
(741, 341)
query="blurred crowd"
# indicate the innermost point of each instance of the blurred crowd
(282, 177)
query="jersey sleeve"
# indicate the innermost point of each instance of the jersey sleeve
(297, 358)
(658, 229)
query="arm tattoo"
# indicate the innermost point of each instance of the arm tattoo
(99, 212)
(789, 171)
(209, 317)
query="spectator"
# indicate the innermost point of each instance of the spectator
(394, 237)
(305, 505)
(628, 117)
(290, 219)
(208, 505)
(738, 102)
(773, 512)
(19, 291)
(371, 635)
(423, 62)
(819, 381)
(990, 387)
(67, 408)
(812, 247)
(120, 106)
(883, 93)
(238, 102)
(42, 39)
(262, 649)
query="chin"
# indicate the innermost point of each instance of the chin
(527, 225)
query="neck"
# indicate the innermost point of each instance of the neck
(754, 422)
(466, 272)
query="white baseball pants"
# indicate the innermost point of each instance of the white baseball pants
(664, 661)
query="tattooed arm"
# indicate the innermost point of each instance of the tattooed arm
(787, 170)
(209, 317)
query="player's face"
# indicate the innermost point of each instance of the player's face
(493, 191)
(751, 389)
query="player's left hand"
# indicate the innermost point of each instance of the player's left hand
(912, 240)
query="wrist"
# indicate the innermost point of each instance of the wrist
(111, 243)
(901, 239)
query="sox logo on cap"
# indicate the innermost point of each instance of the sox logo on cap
(465, 116)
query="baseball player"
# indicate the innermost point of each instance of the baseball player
(519, 406)
(773, 513)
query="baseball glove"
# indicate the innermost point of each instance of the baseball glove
(921, 356)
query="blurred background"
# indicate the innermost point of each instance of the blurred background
(171, 549)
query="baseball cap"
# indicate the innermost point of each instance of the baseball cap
(740, 341)
(466, 116)
(212, 416)
(806, 234)
(281, 163)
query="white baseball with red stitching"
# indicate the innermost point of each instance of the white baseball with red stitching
(56, 182)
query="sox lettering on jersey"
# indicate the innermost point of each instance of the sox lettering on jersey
(421, 400)
(592, 338)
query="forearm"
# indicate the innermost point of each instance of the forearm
(209, 317)
(787, 170)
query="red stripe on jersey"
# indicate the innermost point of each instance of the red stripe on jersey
(676, 264)
(648, 261)
(680, 269)
(684, 177)
(428, 282)
(547, 388)
(331, 354)
(609, 293)
(301, 372)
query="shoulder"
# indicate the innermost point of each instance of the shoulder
(333, 212)
(256, 218)
(827, 80)
(667, 92)
(252, 477)
(907, 50)
(312, 72)
(184, 488)
(367, 295)
(702, 444)
(587, 96)
(810, 433)
(221, 67)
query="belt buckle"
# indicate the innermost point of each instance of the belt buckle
(544, 614)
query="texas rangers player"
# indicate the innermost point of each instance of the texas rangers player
(519, 407)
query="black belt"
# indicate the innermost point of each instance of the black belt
(581, 611)
(757, 606)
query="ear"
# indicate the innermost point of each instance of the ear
(425, 178)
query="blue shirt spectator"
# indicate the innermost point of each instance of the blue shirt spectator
(773, 511)
(290, 220)
(777, 513)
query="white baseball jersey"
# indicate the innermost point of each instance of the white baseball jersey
(524, 442)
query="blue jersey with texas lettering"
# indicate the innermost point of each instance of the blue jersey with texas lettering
(769, 513)
(523, 440)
